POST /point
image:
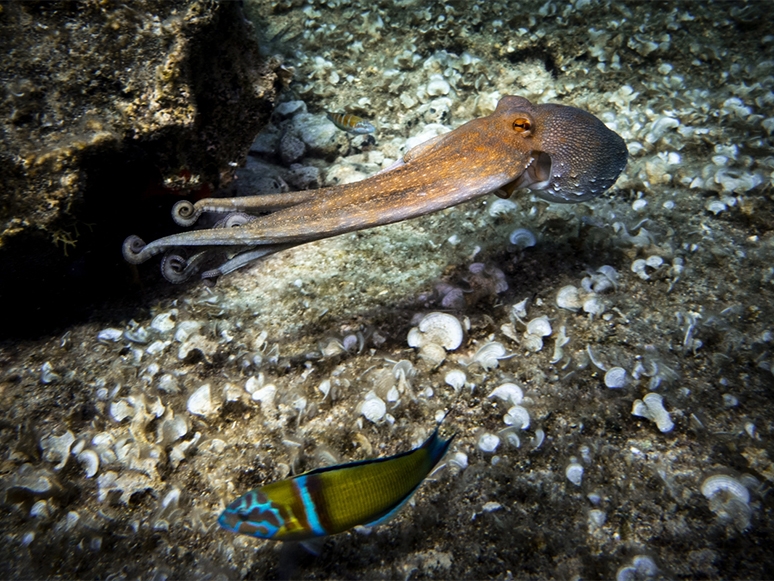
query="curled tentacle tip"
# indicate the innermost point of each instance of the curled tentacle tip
(184, 213)
(132, 250)
(175, 268)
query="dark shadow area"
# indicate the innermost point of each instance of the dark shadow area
(537, 53)
(47, 287)
(72, 270)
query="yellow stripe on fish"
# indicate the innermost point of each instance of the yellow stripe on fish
(332, 500)
(350, 123)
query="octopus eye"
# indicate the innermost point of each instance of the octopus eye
(521, 124)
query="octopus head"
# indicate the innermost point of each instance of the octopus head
(575, 157)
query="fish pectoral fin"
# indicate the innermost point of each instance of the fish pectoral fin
(314, 546)
(536, 176)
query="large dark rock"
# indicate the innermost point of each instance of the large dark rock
(108, 108)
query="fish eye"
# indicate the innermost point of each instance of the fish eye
(521, 125)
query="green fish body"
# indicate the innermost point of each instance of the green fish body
(331, 500)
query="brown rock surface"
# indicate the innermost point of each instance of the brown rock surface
(181, 79)
(105, 103)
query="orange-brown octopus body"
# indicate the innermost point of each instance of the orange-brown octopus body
(564, 153)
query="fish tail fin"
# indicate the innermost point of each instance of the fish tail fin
(437, 446)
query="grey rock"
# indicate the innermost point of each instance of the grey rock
(291, 148)
(267, 141)
(287, 109)
(304, 177)
(321, 137)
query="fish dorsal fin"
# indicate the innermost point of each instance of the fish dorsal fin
(435, 443)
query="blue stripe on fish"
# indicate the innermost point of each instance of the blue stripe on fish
(312, 519)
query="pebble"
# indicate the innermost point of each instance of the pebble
(110, 334)
(172, 430)
(639, 205)
(373, 409)
(200, 402)
(488, 442)
(574, 472)
(164, 322)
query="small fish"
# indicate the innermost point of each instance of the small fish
(332, 500)
(351, 123)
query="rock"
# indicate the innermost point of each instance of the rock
(428, 132)
(321, 137)
(32, 483)
(291, 148)
(200, 403)
(287, 109)
(261, 177)
(56, 449)
(105, 104)
(343, 173)
(266, 142)
(142, 77)
(304, 177)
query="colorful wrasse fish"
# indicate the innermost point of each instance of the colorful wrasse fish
(332, 500)
(350, 123)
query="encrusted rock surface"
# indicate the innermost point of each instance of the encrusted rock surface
(106, 106)
(178, 79)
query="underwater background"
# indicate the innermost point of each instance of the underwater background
(611, 388)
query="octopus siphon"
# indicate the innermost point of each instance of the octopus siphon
(562, 153)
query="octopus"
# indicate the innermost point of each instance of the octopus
(562, 153)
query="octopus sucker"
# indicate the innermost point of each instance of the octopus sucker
(562, 153)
